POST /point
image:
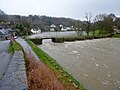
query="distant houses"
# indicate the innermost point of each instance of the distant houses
(61, 28)
(65, 29)
(53, 28)
(36, 31)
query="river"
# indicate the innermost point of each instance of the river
(95, 63)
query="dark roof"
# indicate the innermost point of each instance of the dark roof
(10, 30)
(1, 32)
(1, 27)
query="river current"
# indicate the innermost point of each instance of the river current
(95, 63)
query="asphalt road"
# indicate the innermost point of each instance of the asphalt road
(4, 57)
(3, 45)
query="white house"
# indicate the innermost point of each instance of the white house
(72, 27)
(65, 28)
(68, 28)
(36, 31)
(52, 27)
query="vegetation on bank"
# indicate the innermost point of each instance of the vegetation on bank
(76, 38)
(37, 41)
(14, 46)
(62, 75)
(10, 48)
(40, 77)
(87, 37)
(116, 35)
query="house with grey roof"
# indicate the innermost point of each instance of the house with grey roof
(4, 33)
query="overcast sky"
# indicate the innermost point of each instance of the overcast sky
(60, 8)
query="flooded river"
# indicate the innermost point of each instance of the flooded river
(95, 63)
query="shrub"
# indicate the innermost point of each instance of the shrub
(81, 38)
(37, 41)
(89, 37)
(70, 39)
(116, 35)
(58, 40)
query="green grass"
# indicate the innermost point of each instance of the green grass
(10, 48)
(14, 46)
(96, 32)
(116, 35)
(17, 46)
(54, 66)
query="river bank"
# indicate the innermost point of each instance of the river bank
(39, 75)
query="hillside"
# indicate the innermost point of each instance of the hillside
(36, 21)
(2, 12)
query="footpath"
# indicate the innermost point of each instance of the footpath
(12, 71)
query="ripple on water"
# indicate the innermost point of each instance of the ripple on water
(109, 75)
(96, 64)
(105, 82)
(105, 65)
(86, 75)
(74, 52)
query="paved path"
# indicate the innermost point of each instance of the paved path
(4, 45)
(15, 76)
(28, 50)
(12, 69)
(4, 57)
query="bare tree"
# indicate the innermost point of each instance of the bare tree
(88, 22)
(104, 23)
(99, 17)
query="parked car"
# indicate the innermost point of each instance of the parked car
(15, 37)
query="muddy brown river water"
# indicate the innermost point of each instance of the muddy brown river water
(95, 63)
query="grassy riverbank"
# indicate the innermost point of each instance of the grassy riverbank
(116, 35)
(58, 71)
